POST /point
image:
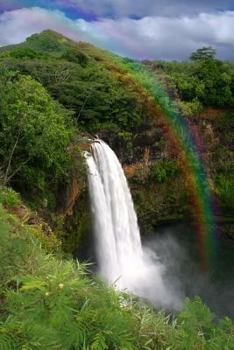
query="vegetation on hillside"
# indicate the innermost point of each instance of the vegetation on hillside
(202, 81)
(99, 97)
(203, 89)
(54, 93)
(48, 302)
(77, 76)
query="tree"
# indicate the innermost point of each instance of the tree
(35, 132)
(205, 53)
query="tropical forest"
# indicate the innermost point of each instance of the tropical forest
(116, 197)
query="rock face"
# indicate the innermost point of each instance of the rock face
(152, 166)
(69, 196)
(157, 197)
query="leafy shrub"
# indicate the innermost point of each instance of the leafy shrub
(225, 190)
(74, 55)
(163, 169)
(9, 198)
(189, 109)
(23, 52)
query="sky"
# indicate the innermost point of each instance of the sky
(141, 29)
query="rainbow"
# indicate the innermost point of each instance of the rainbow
(186, 143)
(180, 133)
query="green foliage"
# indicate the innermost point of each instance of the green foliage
(9, 198)
(80, 77)
(163, 170)
(217, 83)
(92, 92)
(75, 56)
(23, 53)
(205, 53)
(204, 81)
(49, 303)
(35, 132)
(48, 41)
(57, 306)
(225, 190)
(198, 329)
(189, 109)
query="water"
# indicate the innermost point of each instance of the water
(166, 268)
(122, 261)
(176, 247)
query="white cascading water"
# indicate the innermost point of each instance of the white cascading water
(121, 259)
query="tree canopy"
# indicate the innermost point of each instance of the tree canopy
(204, 53)
(35, 132)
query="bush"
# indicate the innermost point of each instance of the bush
(163, 170)
(9, 198)
(225, 190)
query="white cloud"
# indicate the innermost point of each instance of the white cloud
(149, 37)
(16, 25)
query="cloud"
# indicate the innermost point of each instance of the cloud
(17, 25)
(139, 8)
(171, 38)
(124, 8)
(156, 37)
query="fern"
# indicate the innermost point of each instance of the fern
(49, 303)
(99, 342)
(6, 341)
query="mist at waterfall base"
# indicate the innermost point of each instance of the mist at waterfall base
(176, 246)
(122, 261)
(166, 268)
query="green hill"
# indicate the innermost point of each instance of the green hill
(80, 77)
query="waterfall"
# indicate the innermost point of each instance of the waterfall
(121, 259)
